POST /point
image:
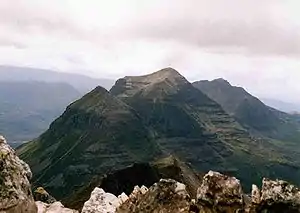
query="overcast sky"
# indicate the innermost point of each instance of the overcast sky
(253, 43)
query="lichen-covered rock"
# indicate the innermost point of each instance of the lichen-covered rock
(255, 195)
(101, 202)
(40, 194)
(279, 196)
(15, 189)
(220, 193)
(166, 196)
(55, 207)
(123, 198)
(137, 192)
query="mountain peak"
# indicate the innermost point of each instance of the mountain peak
(158, 76)
(130, 85)
(221, 81)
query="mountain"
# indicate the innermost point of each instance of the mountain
(281, 105)
(94, 135)
(28, 108)
(143, 118)
(186, 122)
(81, 82)
(248, 110)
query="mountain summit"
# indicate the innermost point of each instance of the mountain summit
(162, 81)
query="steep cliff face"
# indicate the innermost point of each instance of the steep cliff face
(15, 189)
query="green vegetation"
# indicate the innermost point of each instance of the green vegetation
(145, 117)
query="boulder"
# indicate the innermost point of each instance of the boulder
(55, 207)
(15, 189)
(40, 194)
(166, 196)
(101, 202)
(279, 196)
(220, 193)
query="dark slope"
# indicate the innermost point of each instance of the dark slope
(186, 122)
(250, 111)
(138, 174)
(95, 135)
(28, 108)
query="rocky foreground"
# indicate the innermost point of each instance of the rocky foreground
(217, 193)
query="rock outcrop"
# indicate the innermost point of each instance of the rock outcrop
(166, 196)
(220, 193)
(278, 196)
(55, 207)
(101, 202)
(15, 189)
(40, 194)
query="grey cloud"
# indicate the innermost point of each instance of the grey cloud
(212, 24)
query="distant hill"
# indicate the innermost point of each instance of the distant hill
(281, 105)
(28, 108)
(252, 113)
(142, 118)
(81, 82)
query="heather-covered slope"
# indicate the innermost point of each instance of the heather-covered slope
(186, 122)
(96, 134)
(250, 111)
(145, 117)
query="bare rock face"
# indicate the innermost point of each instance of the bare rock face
(220, 193)
(279, 196)
(166, 196)
(15, 189)
(55, 207)
(101, 202)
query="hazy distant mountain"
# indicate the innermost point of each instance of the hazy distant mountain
(281, 105)
(144, 117)
(27, 108)
(81, 82)
(250, 111)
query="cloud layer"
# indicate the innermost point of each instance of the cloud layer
(251, 43)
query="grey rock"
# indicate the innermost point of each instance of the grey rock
(15, 189)
(55, 207)
(166, 196)
(220, 193)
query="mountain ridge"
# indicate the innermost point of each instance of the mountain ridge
(252, 113)
(106, 131)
